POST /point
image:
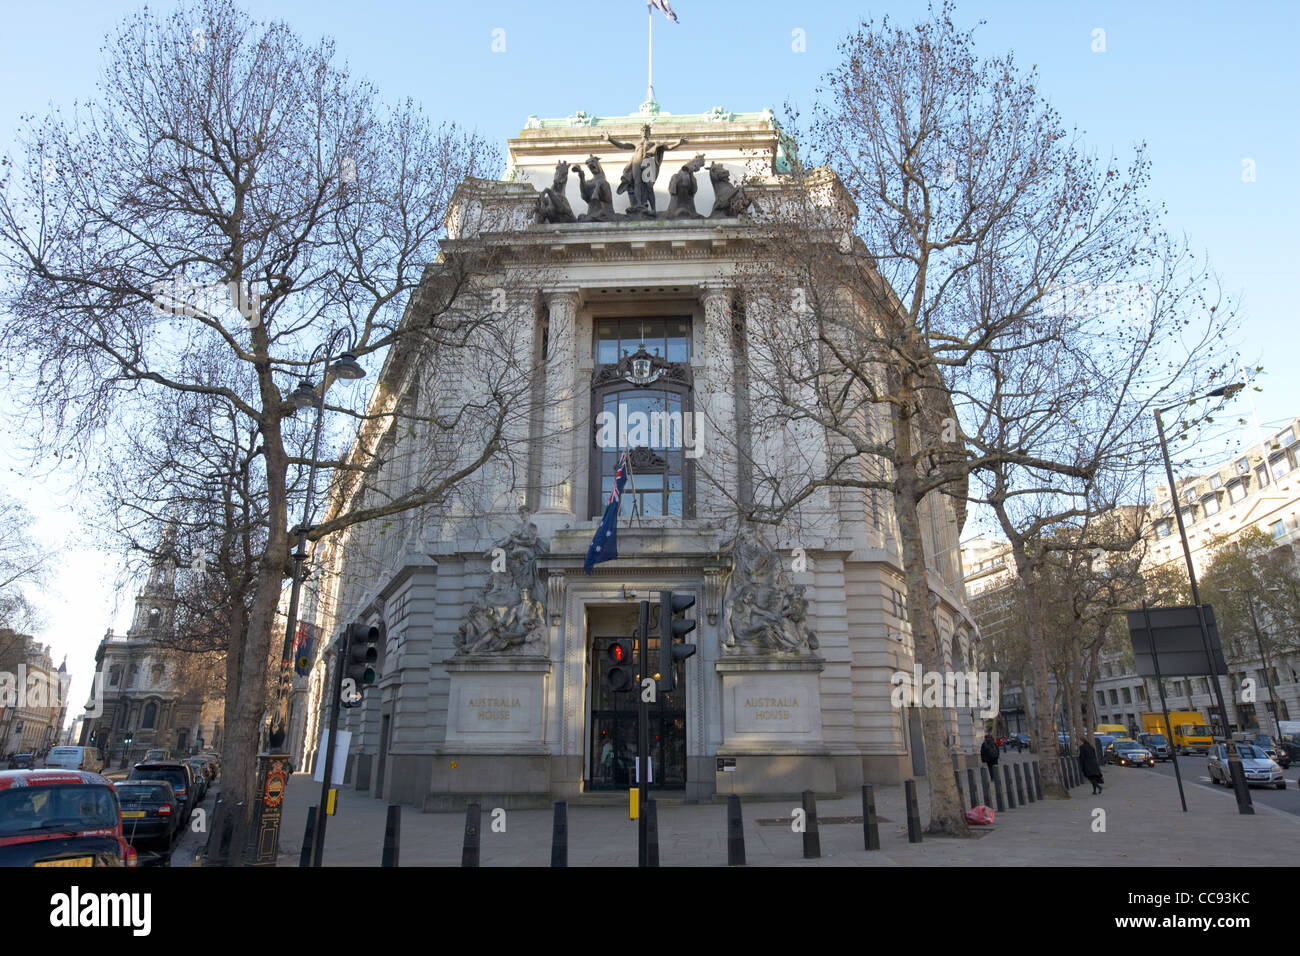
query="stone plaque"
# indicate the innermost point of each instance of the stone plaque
(780, 705)
(492, 709)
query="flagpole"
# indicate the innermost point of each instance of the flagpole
(631, 480)
(650, 54)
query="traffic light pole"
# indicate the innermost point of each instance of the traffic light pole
(642, 730)
(318, 836)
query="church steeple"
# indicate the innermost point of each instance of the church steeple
(154, 604)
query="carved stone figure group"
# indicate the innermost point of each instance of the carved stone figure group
(508, 617)
(638, 183)
(765, 614)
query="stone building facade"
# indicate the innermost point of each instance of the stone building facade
(491, 681)
(135, 692)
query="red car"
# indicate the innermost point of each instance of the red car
(60, 818)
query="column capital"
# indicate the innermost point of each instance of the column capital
(560, 297)
(715, 295)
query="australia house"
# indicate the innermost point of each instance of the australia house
(623, 263)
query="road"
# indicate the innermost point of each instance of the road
(1195, 773)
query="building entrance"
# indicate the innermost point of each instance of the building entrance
(612, 764)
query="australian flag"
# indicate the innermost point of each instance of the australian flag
(302, 648)
(604, 546)
(663, 7)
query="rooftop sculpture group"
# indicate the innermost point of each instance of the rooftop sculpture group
(638, 183)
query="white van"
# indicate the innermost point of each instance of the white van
(75, 758)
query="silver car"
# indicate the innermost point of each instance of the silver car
(1259, 770)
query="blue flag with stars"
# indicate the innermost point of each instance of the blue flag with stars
(604, 546)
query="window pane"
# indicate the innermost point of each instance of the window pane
(679, 341)
(1281, 467)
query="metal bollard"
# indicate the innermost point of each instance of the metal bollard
(1009, 790)
(961, 795)
(469, 854)
(812, 841)
(1038, 781)
(1020, 787)
(735, 833)
(651, 834)
(1029, 785)
(974, 794)
(870, 825)
(984, 785)
(239, 838)
(304, 858)
(392, 835)
(913, 812)
(560, 835)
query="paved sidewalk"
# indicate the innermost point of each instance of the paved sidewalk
(1144, 826)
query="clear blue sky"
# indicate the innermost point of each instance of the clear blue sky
(1206, 85)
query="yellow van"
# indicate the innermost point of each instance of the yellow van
(1115, 730)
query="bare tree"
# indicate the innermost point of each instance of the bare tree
(231, 199)
(24, 562)
(920, 310)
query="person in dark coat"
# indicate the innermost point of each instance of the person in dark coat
(1089, 765)
(989, 754)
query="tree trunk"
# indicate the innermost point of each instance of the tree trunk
(947, 816)
(1044, 722)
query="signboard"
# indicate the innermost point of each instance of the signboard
(1175, 638)
(340, 757)
(726, 764)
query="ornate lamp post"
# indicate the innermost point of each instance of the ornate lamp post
(273, 764)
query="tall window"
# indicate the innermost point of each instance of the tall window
(642, 403)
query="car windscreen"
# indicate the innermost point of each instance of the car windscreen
(64, 807)
(1127, 745)
(1195, 730)
(1247, 752)
(175, 777)
(1156, 739)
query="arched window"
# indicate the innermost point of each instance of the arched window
(642, 401)
(155, 615)
(150, 715)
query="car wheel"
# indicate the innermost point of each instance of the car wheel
(1281, 786)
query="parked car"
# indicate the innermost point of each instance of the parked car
(1259, 770)
(76, 758)
(198, 768)
(57, 817)
(179, 775)
(1158, 744)
(22, 761)
(1291, 747)
(151, 815)
(1129, 753)
(209, 765)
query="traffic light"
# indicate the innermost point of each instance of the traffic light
(619, 674)
(362, 655)
(671, 627)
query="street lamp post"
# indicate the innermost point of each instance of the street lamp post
(273, 763)
(304, 396)
(1234, 759)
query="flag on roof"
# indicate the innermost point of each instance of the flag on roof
(663, 7)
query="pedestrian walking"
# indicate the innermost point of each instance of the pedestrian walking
(1089, 765)
(989, 754)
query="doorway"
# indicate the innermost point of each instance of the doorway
(613, 716)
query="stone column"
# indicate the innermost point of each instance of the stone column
(716, 398)
(558, 435)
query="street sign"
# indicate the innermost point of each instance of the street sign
(1177, 642)
(340, 757)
